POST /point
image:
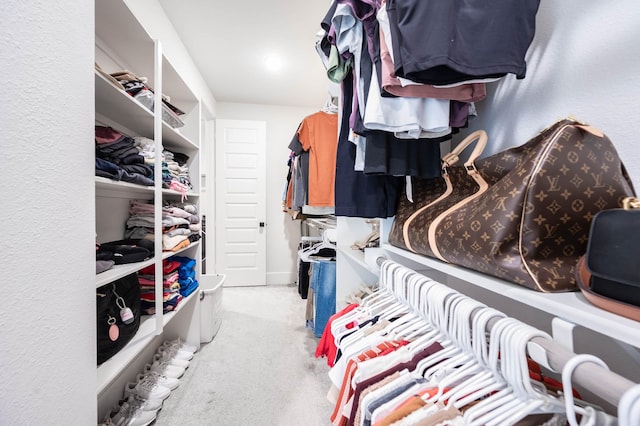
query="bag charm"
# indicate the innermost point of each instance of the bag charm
(126, 315)
(114, 331)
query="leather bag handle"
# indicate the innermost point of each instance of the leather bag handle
(449, 160)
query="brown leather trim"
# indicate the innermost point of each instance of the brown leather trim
(593, 130)
(405, 226)
(583, 278)
(431, 232)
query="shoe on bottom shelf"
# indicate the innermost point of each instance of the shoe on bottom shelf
(180, 344)
(160, 379)
(128, 415)
(164, 368)
(147, 389)
(147, 404)
(173, 352)
(165, 357)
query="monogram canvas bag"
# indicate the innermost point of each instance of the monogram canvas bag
(431, 197)
(531, 223)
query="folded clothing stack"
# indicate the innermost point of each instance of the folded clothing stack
(141, 220)
(124, 251)
(171, 296)
(180, 224)
(118, 158)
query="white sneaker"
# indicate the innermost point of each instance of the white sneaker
(147, 389)
(165, 368)
(133, 416)
(181, 345)
(160, 379)
(175, 353)
(164, 357)
(147, 404)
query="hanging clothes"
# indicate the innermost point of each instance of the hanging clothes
(318, 134)
(460, 45)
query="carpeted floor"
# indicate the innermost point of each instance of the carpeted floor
(260, 369)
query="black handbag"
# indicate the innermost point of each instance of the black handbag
(118, 315)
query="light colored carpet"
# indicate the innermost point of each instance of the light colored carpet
(260, 369)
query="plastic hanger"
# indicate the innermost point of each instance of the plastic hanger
(486, 379)
(567, 389)
(629, 407)
(531, 396)
(463, 367)
(442, 298)
(306, 253)
(503, 392)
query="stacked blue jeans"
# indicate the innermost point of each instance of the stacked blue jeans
(323, 283)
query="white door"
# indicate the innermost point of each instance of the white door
(241, 202)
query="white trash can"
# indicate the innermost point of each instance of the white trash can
(210, 306)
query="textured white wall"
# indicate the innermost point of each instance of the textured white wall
(283, 233)
(47, 348)
(585, 62)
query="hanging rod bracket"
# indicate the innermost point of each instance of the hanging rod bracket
(562, 332)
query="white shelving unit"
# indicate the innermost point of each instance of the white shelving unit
(123, 44)
(569, 306)
(569, 317)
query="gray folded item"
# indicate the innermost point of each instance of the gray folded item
(103, 265)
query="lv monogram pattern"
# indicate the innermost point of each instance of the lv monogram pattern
(416, 229)
(532, 224)
(424, 192)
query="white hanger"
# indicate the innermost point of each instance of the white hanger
(571, 409)
(486, 379)
(473, 416)
(629, 407)
(462, 368)
(306, 253)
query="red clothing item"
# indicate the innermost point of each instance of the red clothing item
(326, 345)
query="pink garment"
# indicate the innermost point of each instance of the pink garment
(106, 135)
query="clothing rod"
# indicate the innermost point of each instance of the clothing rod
(608, 385)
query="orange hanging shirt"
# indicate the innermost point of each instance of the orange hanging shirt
(318, 134)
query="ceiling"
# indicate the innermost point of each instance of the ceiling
(231, 41)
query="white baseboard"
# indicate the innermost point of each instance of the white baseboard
(280, 278)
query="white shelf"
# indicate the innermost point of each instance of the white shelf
(357, 257)
(109, 370)
(118, 106)
(119, 271)
(122, 108)
(178, 193)
(106, 187)
(168, 254)
(172, 139)
(321, 223)
(570, 306)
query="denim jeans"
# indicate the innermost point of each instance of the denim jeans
(323, 283)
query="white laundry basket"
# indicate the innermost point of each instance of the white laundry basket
(210, 306)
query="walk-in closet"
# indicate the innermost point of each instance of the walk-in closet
(327, 212)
